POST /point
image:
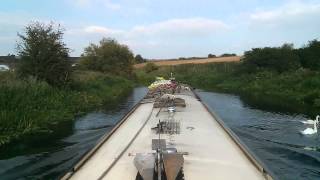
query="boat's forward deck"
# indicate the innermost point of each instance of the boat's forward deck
(212, 154)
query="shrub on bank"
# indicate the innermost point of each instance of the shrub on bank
(278, 59)
(43, 54)
(310, 55)
(150, 66)
(109, 57)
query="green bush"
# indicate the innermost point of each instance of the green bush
(310, 55)
(228, 55)
(139, 59)
(109, 57)
(278, 59)
(43, 54)
(211, 56)
(149, 67)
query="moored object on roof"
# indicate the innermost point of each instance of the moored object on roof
(173, 163)
(145, 165)
(177, 102)
(166, 97)
(158, 144)
(159, 78)
(165, 163)
(171, 109)
(160, 81)
(160, 87)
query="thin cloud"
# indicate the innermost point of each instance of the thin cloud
(191, 27)
(288, 12)
(91, 3)
(81, 3)
(101, 30)
(112, 5)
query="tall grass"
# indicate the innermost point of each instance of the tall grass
(30, 106)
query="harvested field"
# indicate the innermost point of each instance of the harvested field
(191, 61)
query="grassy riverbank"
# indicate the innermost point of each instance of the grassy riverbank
(29, 107)
(297, 91)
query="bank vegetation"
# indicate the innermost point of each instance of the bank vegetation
(284, 78)
(45, 90)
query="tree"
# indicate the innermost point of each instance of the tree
(211, 56)
(228, 55)
(43, 54)
(279, 59)
(139, 59)
(108, 56)
(150, 66)
(310, 55)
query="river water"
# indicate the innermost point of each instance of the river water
(273, 136)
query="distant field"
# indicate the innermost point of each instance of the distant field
(190, 61)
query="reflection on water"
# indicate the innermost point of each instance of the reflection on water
(274, 137)
(53, 159)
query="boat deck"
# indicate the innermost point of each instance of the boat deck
(212, 153)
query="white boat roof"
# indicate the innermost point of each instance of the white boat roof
(212, 153)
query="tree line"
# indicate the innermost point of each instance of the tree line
(284, 58)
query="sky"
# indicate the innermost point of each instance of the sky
(167, 28)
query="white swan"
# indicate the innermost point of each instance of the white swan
(310, 121)
(313, 130)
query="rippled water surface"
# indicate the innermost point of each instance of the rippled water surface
(274, 137)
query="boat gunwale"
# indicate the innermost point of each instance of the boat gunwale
(86, 156)
(126, 148)
(244, 148)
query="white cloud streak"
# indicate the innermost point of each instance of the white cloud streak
(288, 12)
(90, 3)
(101, 30)
(192, 27)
